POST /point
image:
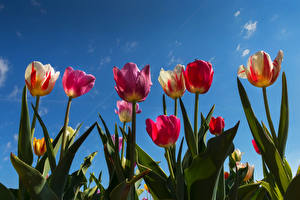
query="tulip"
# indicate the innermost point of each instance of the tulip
(216, 125)
(146, 188)
(237, 155)
(226, 175)
(40, 79)
(132, 85)
(77, 82)
(165, 131)
(125, 110)
(250, 171)
(260, 71)
(255, 147)
(120, 141)
(172, 82)
(198, 76)
(39, 146)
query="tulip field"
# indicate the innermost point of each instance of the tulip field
(193, 127)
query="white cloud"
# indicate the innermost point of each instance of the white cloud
(35, 3)
(91, 48)
(131, 45)
(3, 70)
(5, 158)
(19, 34)
(15, 93)
(8, 145)
(237, 13)
(212, 59)
(1, 7)
(173, 59)
(16, 137)
(238, 47)
(250, 28)
(274, 18)
(105, 60)
(245, 52)
(177, 43)
(43, 111)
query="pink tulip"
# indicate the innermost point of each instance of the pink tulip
(77, 82)
(165, 131)
(125, 110)
(255, 147)
(132, 85)
(198, 76)
(216, 125)
(120, 141)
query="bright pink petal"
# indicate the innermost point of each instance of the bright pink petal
(151, 129)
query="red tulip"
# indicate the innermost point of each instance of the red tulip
(40, 79)
(198, 76)
(255, 147)
(165, 131)
(77, 83)
(125, 110)
(132, 85)
(226, 175)
(216, 125)
(260, 71)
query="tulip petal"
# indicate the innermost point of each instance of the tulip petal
(277, 66)
(151, 129)
(242, 72)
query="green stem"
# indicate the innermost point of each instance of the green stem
(66, 121)
(196, 118)
(269, 116)
(133, 142)
(37, 103)
(170, 163)
(175, 108)
(123, 143)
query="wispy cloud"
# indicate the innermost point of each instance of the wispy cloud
(212, 59)
(91, 48)
(249, 28)
(37, 4)
(177, 43)
(245, 52)
(238, 47)
(3, 70)
(43, 111)
(237, 13)
(8, 145)
(15, 93)
(130, 45)
(173, 59)
(274, 18)
(19, 34)
(105, 60)
(1, 7)
(16, 137)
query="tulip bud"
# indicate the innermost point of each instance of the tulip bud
(132, 85)
(260, 71)
(39, 146)
(250, 171)
(216, 125)
(255, 147)
(165, 131)
(76, 82)
(226, 175)
(69, 132)
(120, 141)
(198, 76)
(40, 79)
(172, 82)
(125, 110)
(237, 155)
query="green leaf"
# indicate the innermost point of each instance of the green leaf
(293, 192)
(203, 173)
(180, 186)
(121, 191)
(203, 129)
(99, 185)
(32, 180)
(71, 140)
(245, 192)
(6, 193)
(43, 165)
(156, 180)
(50, 151)
(188, 131)
(268, 150)
(60, 174)
(24, 139)
(272, 189)
(284, 118)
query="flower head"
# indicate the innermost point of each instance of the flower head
(40, 79)
(77, 82)
(237, 155)
(39, 146)
(249, 172)
(172, 82)
(125, 110)
(198, 76)
(132, 85)
(261, 71)
(226, 175)
(216, 125)
(165, 131)
(255, 147)
(113, 137)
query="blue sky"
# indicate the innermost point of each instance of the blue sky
(95, 35)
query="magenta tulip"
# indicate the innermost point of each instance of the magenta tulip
(113, 137)
(216, 125)
(125, 110)
(132, 85)
(77, 82)
(165, 131)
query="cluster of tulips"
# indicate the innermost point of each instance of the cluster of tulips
(198, 174)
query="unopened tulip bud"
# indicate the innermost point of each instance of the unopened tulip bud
(237, 155)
